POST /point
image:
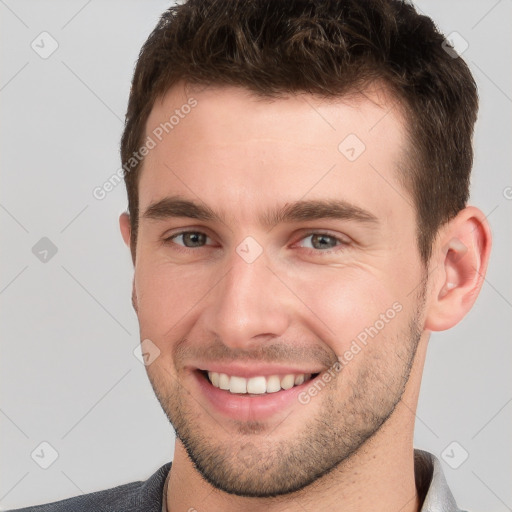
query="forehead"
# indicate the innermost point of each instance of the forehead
(228, 148)
(374, 109)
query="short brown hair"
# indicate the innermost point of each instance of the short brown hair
(327, 48)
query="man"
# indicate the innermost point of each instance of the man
(297, 177)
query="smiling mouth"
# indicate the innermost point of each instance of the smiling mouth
(258, 385)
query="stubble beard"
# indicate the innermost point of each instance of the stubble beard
(254, 462)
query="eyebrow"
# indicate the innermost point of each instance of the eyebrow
(299, 211)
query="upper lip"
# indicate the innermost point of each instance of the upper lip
(249, 370)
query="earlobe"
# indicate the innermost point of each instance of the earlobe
(460, 255)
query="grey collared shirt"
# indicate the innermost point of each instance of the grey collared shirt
(430, 481)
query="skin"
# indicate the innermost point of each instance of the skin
(298, 303)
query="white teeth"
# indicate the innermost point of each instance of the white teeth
(214, 377)
(299, 380)
(273, 384)
(288, 381)
(223, 381)
(238, 385)
(257, 385)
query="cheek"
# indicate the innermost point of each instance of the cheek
(351, 305)
(166, 297)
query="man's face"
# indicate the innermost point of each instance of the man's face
(254, 296)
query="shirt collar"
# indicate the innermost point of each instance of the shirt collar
(431, 483)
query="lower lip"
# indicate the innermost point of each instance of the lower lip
(245, 407)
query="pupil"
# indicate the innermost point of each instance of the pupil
(322, 239)
(195, 239)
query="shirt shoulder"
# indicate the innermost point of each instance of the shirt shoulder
(132, 497)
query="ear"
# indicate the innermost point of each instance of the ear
(460, 257)
(126, 232)
(125, 226)
(126, 229)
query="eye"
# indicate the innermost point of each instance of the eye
(322, 242)
(188, 239)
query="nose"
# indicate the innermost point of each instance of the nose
(249, 304)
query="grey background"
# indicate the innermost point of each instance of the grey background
(68, 373)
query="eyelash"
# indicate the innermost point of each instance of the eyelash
(340, 246)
